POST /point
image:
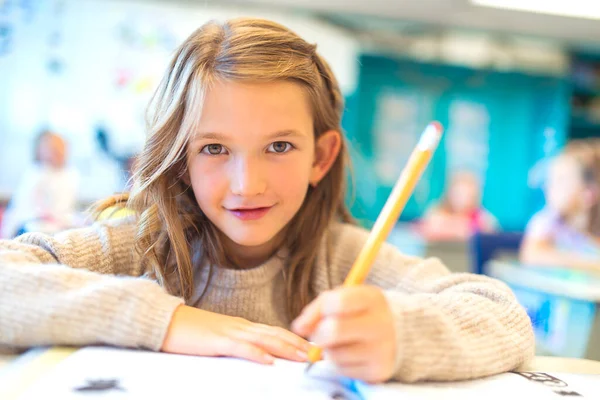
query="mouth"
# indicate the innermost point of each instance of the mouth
(249, 214)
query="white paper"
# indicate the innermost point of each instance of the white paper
(509, 386)
(148, 375)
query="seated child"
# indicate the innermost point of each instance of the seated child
(241, 238)
(566, 232)
(460, 213)
(46, 198)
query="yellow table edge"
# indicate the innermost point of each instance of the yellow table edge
(33, 370)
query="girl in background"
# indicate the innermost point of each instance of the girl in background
(46, 198)
(566, 233)
(460, 213)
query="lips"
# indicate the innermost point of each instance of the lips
(250, 214)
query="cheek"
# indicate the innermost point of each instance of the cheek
(291, 180)
(208, 184)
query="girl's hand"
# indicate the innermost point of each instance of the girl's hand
(355, 328)
(197, 332)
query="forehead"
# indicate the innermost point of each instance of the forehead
(266, 107)
(52, 140)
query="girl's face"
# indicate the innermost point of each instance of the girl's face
(253, 158)
(566, 191)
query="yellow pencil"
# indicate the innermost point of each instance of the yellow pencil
(394, 205)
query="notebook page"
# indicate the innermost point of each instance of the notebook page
(103, 372)
(539, 386)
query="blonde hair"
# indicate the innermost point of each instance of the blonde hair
(174, 236)
(586, 152)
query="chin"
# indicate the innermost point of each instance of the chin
(250, 238)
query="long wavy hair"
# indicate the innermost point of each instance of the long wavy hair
(174, 236)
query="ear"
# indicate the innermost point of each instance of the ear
(327, 150)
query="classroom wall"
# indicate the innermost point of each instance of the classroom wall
(500, 125)
(74, 65)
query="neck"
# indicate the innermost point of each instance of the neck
(246, 257)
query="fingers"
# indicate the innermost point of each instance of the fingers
(341, 301)
(242, 349)
(307, 321)
(362, 361)
(350, 355)
(278, 347)
(337, 331)
(289, 337)
(276, 341)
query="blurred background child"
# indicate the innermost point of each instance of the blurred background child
(46, 197)
(460, 212)
(566, 233)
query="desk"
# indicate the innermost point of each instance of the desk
(562, 303)
(453, 253)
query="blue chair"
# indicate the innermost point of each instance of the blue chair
(485, 246)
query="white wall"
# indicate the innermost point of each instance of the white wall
(101, 43)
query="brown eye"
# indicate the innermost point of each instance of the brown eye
(280, 147)
(213, 149)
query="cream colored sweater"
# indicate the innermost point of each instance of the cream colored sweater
(85, 287)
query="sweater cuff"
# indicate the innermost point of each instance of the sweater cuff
(408, 316)
(396, 303)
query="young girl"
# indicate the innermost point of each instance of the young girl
(47, 195)
(460, 213)
(241, 233)
(566, 233)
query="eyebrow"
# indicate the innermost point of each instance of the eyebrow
(221, 137)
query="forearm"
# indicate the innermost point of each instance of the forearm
(57, 305)
(471, 329)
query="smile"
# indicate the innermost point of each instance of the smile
(250, 214)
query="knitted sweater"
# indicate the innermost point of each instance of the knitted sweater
(86, 286)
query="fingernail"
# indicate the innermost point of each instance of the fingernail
(302, 354)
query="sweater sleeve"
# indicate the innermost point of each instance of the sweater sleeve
(80, 287)
(448, 326)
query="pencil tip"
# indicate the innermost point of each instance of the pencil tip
(310, 364)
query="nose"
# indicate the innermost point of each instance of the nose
(247, 177)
